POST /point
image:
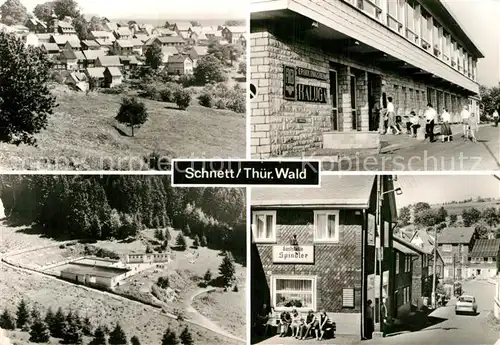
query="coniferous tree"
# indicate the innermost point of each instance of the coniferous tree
(168, 237)
(72, 334)
(208, 275)
(180, 241)
(49, 317)
(58, 324)
(99, 337)
(227, 270)
(169, 338)
(186, 337)
(203, 241)
(22, 315)
(39, 332)
(117, 336)
(7, 320)
(87, 326)
(196, 241)
(135, 340)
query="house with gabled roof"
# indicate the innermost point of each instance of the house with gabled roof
(142, 37)
(73, 45)
(51, 49)
(232, 34)
(69, 59)
(110, 26)
(35, 25)
(168, 52)
(96, 73)
(61, 40)
(173, 41)
(162, 32)
(91, 56)
(485, 257)
(183, 29)
(123, 47)
(108, 61)
(180, 64)
(455, 244)
(43, 38)
(137, 46)
(65, 28)
(197, 52)
(112, 77)
(314, 248)
(123, 33)
(102, 36)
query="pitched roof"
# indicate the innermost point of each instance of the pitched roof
(424, 236)
(124, 43)
(346, 191)
(142, 37)
(132, 59)
(169, 50)
(164, 31)
(411, 246)
(90, 43)
(104, 43)
(485, 248)
(50, 46)
(456, 235)
(178, 58)
(237, 29)
(96, 72)
(69, 54)
(109, 61)
(62, 39)
(64, 25)
(170, 39)
(73, 44)
(43, 36)
(403, 248)
(201, 51)
(114, 71)
(100, 33)
(183, 26)
(136, 42)
(93, 54)
(79, 55)
(124, 31)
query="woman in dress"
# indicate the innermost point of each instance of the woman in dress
(445, 126)
(296, 323)
(309, 324)
(325, 324)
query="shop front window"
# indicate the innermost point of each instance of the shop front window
(294, 292)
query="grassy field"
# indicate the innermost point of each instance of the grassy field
(458, 208)
(82, 134)
(228, 309)
(16, 238)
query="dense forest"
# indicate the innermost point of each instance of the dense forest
(119, 206)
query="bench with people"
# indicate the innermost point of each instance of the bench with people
(301, 326)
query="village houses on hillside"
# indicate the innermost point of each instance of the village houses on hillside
(76, 61)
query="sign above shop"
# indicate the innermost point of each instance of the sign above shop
(311, 74)
(293, 254)
(311, 93)
(289, 83)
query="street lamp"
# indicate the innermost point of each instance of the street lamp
(379, 254)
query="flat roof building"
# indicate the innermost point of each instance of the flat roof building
(324, 69)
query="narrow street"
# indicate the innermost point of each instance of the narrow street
(407, 154)
(457, 330)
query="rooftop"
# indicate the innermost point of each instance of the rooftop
(109, 61)
(98, 271)
(485, 248)
(461, 235)
(347, 191)
(96, 72)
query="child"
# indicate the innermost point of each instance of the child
(296, 323)
(473, 127)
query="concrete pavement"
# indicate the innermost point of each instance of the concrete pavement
(407, 154)
(454, 329)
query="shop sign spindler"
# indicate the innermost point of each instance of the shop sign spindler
(293, 91)
(293, 254)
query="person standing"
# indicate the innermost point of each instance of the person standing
(369, 322)
(465, 121)
(391, 114)
(473, 127)
(445, 125)
(430, 117)
(496, 117)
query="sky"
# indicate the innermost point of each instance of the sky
(481, 21)
(436, 189)
(159, 9)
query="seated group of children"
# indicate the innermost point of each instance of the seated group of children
(302, 326)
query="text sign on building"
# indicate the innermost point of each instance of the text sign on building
(311, 93)
(311, 74)
(293, 254)
(289, 83)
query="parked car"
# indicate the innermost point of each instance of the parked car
(466, 304)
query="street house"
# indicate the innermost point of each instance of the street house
(403, 256)
(61, 40)
(360, 53)
(108, 61)
(483, 259)
(311, 247)
(232, 34)
(169, 41)
(69, 59)
(51, 49)
(96, 73)
(197, 52)
(123, 47)
(35, 25)
(64, 28)
(137, 46)
(90, 45)
(183, 29)
(424, 240)
(123, 33)
(103, 36)
(73, 45)
(180, 64)
(455, 245)
(91, 56)
(112, 77)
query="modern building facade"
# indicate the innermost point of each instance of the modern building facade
(314, 248)
(323, 69)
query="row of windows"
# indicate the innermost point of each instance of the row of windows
(413, 22)
(449, 259)
(326, 226)
(407, 262)
(480, 260)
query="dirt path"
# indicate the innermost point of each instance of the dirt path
(194, 317)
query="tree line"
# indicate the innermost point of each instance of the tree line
(119, 206)
(426, 216)
(71, 328)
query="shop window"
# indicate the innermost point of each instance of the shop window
(294, 292)
(326, 226)
(264, 226)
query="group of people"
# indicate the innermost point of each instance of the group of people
(392, 123)
(301, 327)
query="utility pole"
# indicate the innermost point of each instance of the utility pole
(434, 270)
